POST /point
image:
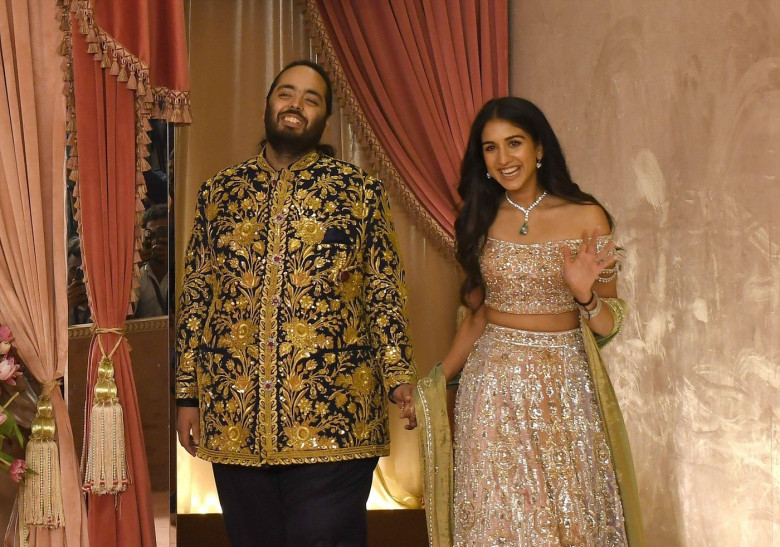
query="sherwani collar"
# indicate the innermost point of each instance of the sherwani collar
(304, 162)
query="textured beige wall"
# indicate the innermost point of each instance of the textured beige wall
(669, 112)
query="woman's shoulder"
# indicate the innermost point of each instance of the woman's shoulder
(579, 217)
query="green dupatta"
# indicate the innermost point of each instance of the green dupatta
(430, 403)
(614, 427)
(433, 425)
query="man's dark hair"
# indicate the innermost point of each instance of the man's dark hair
(155, 212)
(317, 68)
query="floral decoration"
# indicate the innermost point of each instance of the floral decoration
(9, 371)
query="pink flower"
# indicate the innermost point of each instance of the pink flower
(3, 416)
(9, 371)
(18, 469)
(5, 334)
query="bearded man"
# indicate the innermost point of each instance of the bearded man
(292, 331)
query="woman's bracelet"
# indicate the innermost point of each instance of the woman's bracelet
(588, 303)
(595, 311)
(608, 275)
(590, 314)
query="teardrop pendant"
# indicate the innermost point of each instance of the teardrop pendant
(526, 212)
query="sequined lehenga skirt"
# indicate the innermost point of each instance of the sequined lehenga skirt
(532, 465)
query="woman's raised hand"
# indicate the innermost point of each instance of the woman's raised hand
(581, 271)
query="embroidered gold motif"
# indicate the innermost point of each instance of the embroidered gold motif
(308, 230)
(187, 361)
(301, 333)
(241, 335)
(245, 232)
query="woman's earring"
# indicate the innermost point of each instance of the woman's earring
(488, 175)
(538, 163)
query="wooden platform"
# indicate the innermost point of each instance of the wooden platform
(385, 529)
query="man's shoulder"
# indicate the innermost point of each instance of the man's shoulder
(240, 170)
(344, 168)
(250, 165)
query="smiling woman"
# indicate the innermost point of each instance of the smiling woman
(526, 349)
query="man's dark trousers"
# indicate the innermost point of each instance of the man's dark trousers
(319, 504)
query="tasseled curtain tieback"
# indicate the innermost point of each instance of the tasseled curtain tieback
(106, 469)
(40, 497)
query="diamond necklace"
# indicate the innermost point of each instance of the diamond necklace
(526, 212)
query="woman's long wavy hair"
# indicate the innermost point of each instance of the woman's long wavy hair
(481, 196)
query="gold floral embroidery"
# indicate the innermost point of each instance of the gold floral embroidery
(242, 384)
(245, 232)
(301, 333)
(250, 280)
(187, 361)
(309, 230)
(363, 380)
(391, 356)
(242, 334)
(350, 336)
(300, 278)
(293, 382)
(359, 210)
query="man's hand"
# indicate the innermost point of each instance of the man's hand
(145, 253)
(77, 294)
(402, 396)
(160, 250)
(188, 427)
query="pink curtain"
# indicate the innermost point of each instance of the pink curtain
(419, 70)
(105, 116)
(33, 299)
(115, 91)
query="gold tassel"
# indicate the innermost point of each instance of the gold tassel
(42, 489)
(186, 114)
(106, 469)
(156, 111)
(176, 115)
(22, 528)
(131, 81)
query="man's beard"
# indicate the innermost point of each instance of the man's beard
(290, 144)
